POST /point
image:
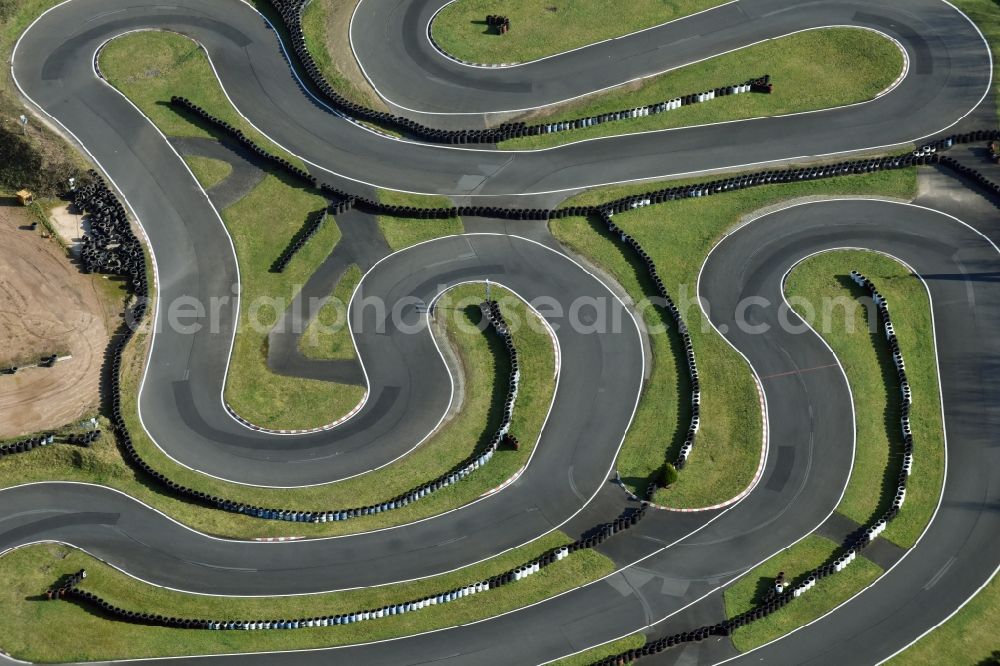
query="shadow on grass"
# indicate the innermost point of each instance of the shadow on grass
(893, 398)
(501, 374)
(683, 385)
(994, 658)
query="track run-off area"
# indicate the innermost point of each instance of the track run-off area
(670, 567)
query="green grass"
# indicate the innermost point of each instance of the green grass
(821, 291)
(397, 198)
(208, 171)
(47, 631)
(400, 232)
(969, 637)
(806, 555)
(855, 65)
(678, 235)
(261, 224)
(484, 392)
(150, 67)
(316, 19)
(588, 657)
(328, 336)
(540, 29)
(823, 282)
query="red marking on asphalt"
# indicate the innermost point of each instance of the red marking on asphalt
(796, 372)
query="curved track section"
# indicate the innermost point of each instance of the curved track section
(671, 564)
(955, 261)
(949, 76)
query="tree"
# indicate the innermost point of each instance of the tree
(669, 475)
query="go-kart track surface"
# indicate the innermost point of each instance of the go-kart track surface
(671, 563)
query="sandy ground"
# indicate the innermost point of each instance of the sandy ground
(47, 306)
(69, 226)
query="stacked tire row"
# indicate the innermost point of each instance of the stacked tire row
(291, 15)
(345, 200)
(969, 172)
(313, 222)
(781, 594)
(62, 590)
(25, 445)
(237, 133)
(682, 330)
(762, 84)
(70, 590)
(906, 398)
(84, 438)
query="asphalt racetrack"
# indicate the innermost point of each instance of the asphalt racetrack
(671, 564)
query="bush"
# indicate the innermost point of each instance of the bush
(7, 8)
(24, 164)
(669, 475)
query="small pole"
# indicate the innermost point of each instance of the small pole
(487, 289)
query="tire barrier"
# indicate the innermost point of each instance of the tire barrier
(291, 15)
(46, 361)
(906, 398)
(925, 155)
(63, 588)
(762, 84)
(967, 172)
(993, 148)
(70, 590)
(783, 592)
(84, 438)
(25, 445)
(237, 133)
(682, 330)
(314, 220)
(501, 24)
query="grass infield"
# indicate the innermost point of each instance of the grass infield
(328, 336)
(678, 236)
(208, 171)
(588, 657)
(854, 65)
(540, 29)
(821, 291)
(823, 282)
(969, 636)
(149, 67)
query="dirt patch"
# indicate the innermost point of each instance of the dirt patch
(69, 226)
(336, 37)
(47, 306)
